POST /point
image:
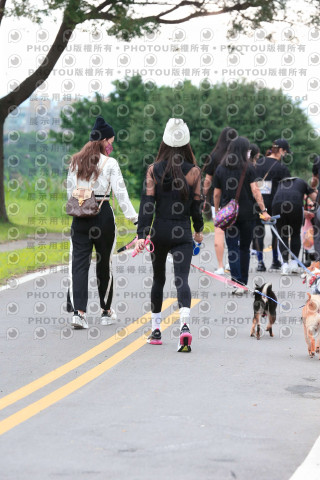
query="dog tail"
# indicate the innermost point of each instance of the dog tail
(267, 289)
(271, 300)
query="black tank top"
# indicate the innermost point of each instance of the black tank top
(169, 203)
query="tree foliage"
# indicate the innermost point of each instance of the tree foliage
(28, 157)
(126, 19)
(139, 111)
(132, 18)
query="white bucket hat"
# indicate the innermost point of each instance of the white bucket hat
(176, 133)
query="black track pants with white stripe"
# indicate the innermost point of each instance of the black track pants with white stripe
(98, 231)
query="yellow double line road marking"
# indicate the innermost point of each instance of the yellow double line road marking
(70, 387)
(78, 361)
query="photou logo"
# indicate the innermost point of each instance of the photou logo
(230, 332)
(204, 332)
(94, 333)
(206, 34)
(39, 333)
(66, 333)
(14, 36)
(12, 333)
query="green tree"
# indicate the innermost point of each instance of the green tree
(139, 111)
(26, 157)
(124, 20)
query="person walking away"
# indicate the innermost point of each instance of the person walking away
(214, 159)
(171, 196)
(288, 202)
(239, 235)
(254, 154)
(270, 171)
(94, 166)
(316, 219)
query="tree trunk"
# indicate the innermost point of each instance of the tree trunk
(24, 90)
(30, 84)
(3, 211)
(2, 5)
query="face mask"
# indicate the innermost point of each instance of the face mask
(248, 154)
(109, 148)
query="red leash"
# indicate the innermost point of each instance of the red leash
(220, 278)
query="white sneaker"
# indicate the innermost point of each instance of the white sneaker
(237, 291)
(108, 317)
(79, 321)
(294, 266)
(285, 270)
(219, 271)
(227, 268)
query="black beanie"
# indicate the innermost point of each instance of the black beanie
(101, 130)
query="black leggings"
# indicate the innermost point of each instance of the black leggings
(98, 231)
(260, 230)
(170, 236)
(259, 234)
(289, 228)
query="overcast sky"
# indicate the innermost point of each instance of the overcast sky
(194, 50)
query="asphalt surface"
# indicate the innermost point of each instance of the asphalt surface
(233, 408)
(34, 241)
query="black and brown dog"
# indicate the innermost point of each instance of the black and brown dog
(263, 306)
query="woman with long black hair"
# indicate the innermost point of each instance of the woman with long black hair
(171, 196)
(214, 159)
(226, 180)
(94, 166)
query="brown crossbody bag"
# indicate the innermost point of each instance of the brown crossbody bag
(83, 202)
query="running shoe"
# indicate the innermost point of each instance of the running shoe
(276, 265)
(79, 321)
(261, 267)
(285, 270)
(227, 268)
(108, 317)
(155, 337)
(237, 291)
(185, 339)
(219, 271)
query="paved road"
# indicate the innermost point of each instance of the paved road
(34, 241)
(234, 408)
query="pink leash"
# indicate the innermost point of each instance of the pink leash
(126, 247)
(220, 278)
(146, 243)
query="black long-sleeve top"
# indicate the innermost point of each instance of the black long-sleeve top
(165, 202)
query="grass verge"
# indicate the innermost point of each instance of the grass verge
(28, 218)
(28, 260)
